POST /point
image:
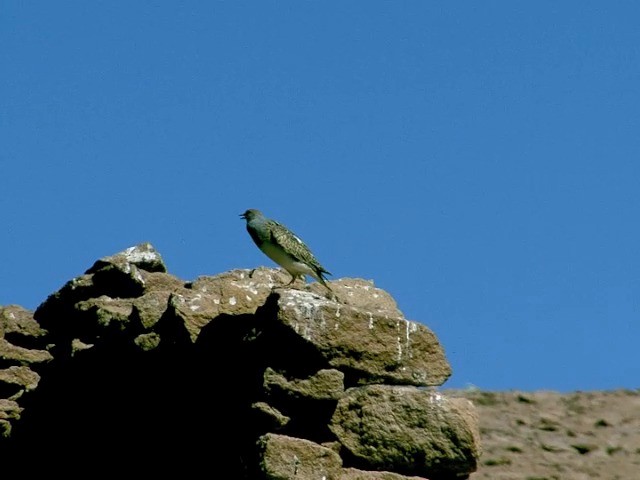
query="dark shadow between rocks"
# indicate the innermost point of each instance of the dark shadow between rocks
(181, 407)
(115, 408)
(283, 349)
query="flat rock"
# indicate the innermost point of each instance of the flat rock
(355, 474)
(17, 380)
(16, 320)
(325, 385)
(289, 458)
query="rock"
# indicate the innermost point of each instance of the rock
(149, 308)
(78, 346)
(121, 275)
(369, 346)
(58, 310)
(238, 292)
(326, 385)
(21, 339)
(268, 418)
(134, 350)
(9, 412)
(107, 311)
(407, 430)
(147, 341)
(22, 356)
(287, 458)
(142, 256)
(125, 275)
(296, 397)
(17, 325)
(19, 334)
(359, 293)
(14, 381)
(355, 474)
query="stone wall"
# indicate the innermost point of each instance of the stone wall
(128, 368)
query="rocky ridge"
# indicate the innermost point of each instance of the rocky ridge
(129, 367)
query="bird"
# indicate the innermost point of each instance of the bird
(284, 247)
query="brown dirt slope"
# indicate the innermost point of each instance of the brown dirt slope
(549, 435)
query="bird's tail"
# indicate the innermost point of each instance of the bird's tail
(320, 276)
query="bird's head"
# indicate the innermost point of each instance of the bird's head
(251, 214)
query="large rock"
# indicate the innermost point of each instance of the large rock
(238, 292)
(369, 345)
(407, 430)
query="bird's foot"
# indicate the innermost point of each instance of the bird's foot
(293, 280)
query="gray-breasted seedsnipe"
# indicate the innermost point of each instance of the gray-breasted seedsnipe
(283, 247)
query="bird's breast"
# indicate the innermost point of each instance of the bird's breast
(286, 261)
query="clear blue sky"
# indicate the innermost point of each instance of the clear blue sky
(478, 160)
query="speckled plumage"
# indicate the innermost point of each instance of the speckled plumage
(283, 247)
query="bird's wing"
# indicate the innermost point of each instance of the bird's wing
(292, 244)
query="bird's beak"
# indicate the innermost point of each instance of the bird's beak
(242, 215)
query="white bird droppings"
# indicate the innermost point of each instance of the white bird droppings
(232, 301)
(138, 276)
(194, 304)
(307, 306)
(436, 397)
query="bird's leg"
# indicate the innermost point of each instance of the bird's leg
(293, 279)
